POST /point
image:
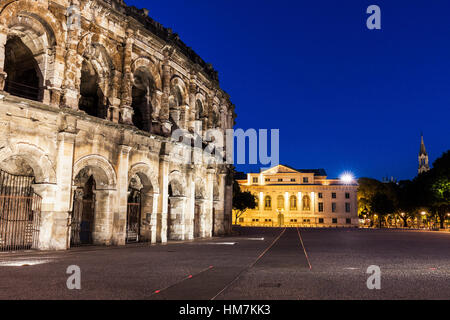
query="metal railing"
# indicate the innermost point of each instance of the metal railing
(20, 210)
(22, 90)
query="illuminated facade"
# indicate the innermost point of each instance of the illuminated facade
(291, 197)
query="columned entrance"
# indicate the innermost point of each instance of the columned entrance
(134, 216)
(83, 215)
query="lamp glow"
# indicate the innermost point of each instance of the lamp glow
(347, 177)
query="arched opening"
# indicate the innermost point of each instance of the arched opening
(143, 91)
(140, 225)
(19, 206)
(24, 78)
(199, 215)
(92, 99)
(198, 110)
(267, 203)
(293, 203)
(83, 213)
(175, 211)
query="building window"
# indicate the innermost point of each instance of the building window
(334, 220)
(280, 202)
(293, 180)
(293, 220)
(347, 195)
(306, 203)
(255, 180)
(280, 180)
(348, 221)
(333, 195)
(306, 220)
(241, 219)
(255, 220)
(268, 203)
(257, 202)
(305, 180)
(320, 220)
(320, 206)
(347, 207)
(320, 195)
(333, 207)
(267, 180)
(268, 220)
(293, 203)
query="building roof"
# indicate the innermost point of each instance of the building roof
(423, 150)
(317, 172)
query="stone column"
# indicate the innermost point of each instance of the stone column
(166, 126)
(176, 227)
(209, 189)
(104, 215)
(120, 213)
(228, 205)
(73, 62)
(192, 102)
(154, 219)
(219, 206)
(164, 199)
(126, 111)
(190, 205)
(53, 225)
(3, 75)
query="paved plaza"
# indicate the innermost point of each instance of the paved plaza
(255, 263)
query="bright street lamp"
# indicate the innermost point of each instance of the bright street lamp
(347, 178)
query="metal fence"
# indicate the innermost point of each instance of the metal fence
(20, 211)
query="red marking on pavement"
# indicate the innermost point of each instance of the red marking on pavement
(188, 277)
(250, 266)
(304, 249)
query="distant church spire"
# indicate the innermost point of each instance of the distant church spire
(423, 157)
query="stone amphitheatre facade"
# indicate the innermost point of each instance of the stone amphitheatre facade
(91, 92)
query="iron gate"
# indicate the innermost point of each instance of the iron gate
(134, 216)
(20, 212)
(81, 220)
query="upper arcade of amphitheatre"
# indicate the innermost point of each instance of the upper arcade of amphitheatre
(109, 61)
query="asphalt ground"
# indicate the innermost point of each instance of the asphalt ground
(255, 263)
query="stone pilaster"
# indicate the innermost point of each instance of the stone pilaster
(164, 198)
(3, 74)
(53, 225)
(126, 111)
(105, 205)
(176, 217)
(120, 213)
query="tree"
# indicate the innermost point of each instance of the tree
(242, 201)
(382, 205)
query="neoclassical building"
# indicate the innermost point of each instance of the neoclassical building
(299, 197)
(91, 92)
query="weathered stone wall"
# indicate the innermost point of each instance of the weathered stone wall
(131, 58)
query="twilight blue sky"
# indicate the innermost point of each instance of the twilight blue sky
(343, 97)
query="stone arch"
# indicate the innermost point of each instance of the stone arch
(150, 65)
(146, 174)
(178, 93)
(143, 190)
(15, 8)
(31, 60)
(98, 166)
(178, 184)
(96, 77)
(145, 92)
(200, 192)
(36, 158)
